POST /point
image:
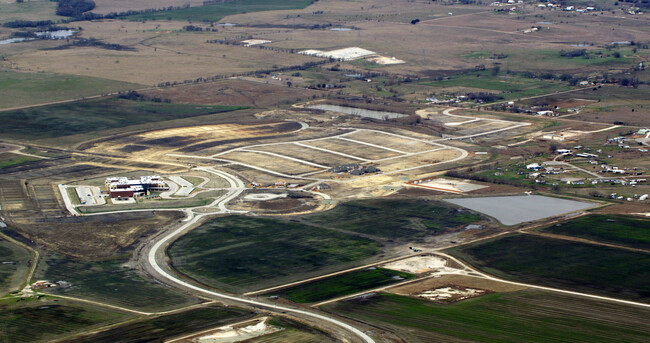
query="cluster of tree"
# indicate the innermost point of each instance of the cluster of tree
(192, 28)
(27, 23)
(94, 42)
(135, 96)
(482, 97)
(303, 66)
(73, 8)
(574, 53)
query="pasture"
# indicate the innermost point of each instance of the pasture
(341, 285)
(10, 160)
(108, 281)
(403, 220)
(616, 229)
(24, 88)
(167, 326)
(531, 316)
(239, 254)
(14, 266)
(47, 319)
(562, 264)
(83, 117)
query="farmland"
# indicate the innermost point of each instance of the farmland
(395, 219)
(340, 285)
(245, 253)
(46, 319)
(623, 230)
(562, 264)
(531, 316)
(466, 171)
(108, 281)
(147, 330)
(93, 115)
(14, 267)
(10, 160)
(23, 88)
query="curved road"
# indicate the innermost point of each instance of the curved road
(158, 251)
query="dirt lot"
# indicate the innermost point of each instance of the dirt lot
(458, 280)
(151, 145)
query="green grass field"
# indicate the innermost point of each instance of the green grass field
(110, 282)
(525, 316)
(214, 13)
(156, 329)
(240, 253)
(341, 285)
(396, 219)
(40, 321)
(94, 115)
(616, 229)
(14, 266)
(562, 264)
(508, 86)
(24, 89)
(9, 160)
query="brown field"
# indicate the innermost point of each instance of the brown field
(153, 144)
(359, 150)
(175, 56)
(273, 163)
(418, 160)
(390, 141)
(233, 93)
(307, 154)
(102, 236)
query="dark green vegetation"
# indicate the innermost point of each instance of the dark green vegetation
(213, 13)
(94, 115)
(14, 266)
(156, 329)
(43, 320)
(73, 8)
(239, 253)
(9, 160)
(22, 89)
(563, 264)
(111, 282)
(340, 285)
(525, 316)
(615, 229)
(391, 218)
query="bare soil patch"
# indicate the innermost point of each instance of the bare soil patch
(457, 280)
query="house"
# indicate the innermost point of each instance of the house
(323, 187)
(534, 166)
(546, 113)
(563, 151)
(123, 187)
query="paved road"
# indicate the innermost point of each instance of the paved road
(157, 252)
